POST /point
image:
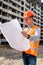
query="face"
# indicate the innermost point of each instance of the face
(29, 20)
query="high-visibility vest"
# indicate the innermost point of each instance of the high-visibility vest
(34, 45)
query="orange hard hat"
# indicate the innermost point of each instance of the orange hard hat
(28, 14)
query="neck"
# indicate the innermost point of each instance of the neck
(31, 25)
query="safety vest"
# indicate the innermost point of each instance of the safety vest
(34, 45)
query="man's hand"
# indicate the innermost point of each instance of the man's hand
(25, 34)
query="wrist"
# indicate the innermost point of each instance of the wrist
(28, 37)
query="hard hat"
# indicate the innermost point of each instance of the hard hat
(28, 14)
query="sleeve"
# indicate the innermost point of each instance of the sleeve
(36, 36)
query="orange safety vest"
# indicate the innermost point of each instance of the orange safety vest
(34, 45)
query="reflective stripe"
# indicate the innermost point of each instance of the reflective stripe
(34, 38)
(37, 42)
(34, 45)
(35, 49)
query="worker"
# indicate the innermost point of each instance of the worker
(31, 32)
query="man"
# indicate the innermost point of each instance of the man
(32, 32)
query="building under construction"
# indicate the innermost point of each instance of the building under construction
(11, 9)
(42, 21)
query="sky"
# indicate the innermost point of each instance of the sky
(41, 0)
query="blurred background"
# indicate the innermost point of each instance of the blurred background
(11, 9)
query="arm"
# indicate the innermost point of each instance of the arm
(36, 36)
